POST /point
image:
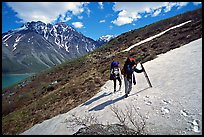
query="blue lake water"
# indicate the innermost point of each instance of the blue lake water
(11, 79)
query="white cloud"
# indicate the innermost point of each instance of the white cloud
(168, 6)
(125, 18)
(131, 11)
(181, 4)
(64, 18)
(197, 3)
(46, 11)
(111, 27)
(88, 11)
(77, 24)
(100, 5)
(80, 17)
(102, 21)
(157, 12)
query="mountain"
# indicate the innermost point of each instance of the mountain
(36, 46)
(104, 39)
(66, 86)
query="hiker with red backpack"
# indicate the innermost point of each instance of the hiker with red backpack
(128, 69)
(115, 74)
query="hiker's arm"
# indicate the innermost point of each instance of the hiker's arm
(134, 79)
(120, 75)
(111, 71)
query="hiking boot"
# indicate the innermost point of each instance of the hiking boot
(126, 95)
(128, 92)
(114, 90)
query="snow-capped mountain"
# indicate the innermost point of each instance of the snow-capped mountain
(37, 45)
(104, 39)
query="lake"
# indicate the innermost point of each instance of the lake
(11, 79)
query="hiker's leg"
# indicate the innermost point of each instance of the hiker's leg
(129, 85)
(134, 79)
(120, 83)
(114, 81)
(126, 85)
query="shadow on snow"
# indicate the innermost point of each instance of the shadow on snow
(109, 102)
(140, 91)
(96, 98)
(104, 104)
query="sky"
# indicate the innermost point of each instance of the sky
(93, 19)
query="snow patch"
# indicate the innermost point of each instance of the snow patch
(165, 102)
(106, 38)
(18, 38)
(14, 45)
(148, 102)
(67, 48)
(7, 38)
(150, 38)
(184, 113)
(87, 50)
(196, 127)
(22, 28)
(165, 110)
(77, 47)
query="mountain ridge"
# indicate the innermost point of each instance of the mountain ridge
(40, 39)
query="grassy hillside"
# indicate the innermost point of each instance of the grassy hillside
(59, 89)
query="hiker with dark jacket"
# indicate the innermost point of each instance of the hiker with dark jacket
(115, 74)
(128, 69)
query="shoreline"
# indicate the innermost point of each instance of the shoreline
(18, 74)
(23, 77)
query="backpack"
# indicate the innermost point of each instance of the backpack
(123, 70)
(115, 73)
(114, 64)
(132, 61)
(114, 70)
(127, 68)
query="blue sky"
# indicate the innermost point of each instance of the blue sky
(93, 19)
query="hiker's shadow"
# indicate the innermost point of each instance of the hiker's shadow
(96, 98)
(104, 104)
(140, 91)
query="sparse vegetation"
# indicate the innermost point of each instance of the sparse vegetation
(130, 119)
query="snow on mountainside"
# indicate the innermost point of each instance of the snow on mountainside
(37, 45)
(104, 39)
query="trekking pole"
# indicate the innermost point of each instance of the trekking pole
(146, 76)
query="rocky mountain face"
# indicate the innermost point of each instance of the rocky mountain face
(63, 88)
(36, 46)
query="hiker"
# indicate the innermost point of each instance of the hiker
(128, 69)
(115, 74)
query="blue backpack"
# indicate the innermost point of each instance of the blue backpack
(114, 70)
(114, 64)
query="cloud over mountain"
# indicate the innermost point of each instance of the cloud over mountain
(43, 11)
